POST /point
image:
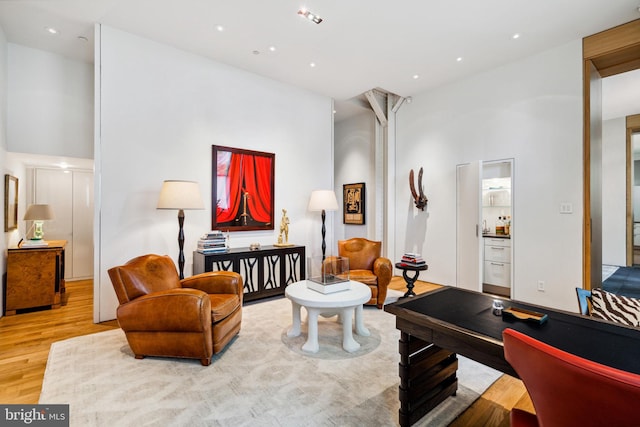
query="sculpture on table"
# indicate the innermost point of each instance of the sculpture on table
(419, 199)
(283, 237)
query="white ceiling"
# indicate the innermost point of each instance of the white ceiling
(360, 45)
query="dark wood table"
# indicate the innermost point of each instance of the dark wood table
(436, 326)
(410, 280)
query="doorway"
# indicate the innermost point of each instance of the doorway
(605, 54)
(485, 226)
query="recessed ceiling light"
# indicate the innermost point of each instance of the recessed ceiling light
(51, 30)
(459, 59)
(515, 36)
(272, 48)
(312, 64)
(310, 16)
(416, 77)
(220, 28)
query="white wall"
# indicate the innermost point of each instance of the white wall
(614, 196)
(530, 111)
(355, 162)
(159, 110)
(3, 146)
(51, 104)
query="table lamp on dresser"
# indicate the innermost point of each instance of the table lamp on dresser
(38, 213)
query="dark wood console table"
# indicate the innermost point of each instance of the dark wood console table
(437, 325)
(266, 272)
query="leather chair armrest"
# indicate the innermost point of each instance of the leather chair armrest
(383, 269)
(216, 282)
(179, 310)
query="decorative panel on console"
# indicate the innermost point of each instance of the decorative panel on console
(265, 272)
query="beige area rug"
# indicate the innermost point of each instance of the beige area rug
(261, 379)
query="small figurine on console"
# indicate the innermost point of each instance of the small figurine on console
(283, 237)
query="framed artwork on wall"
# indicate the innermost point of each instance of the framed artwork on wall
(242, 189)
(10, 203)
(353, 199)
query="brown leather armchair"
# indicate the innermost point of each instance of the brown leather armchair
(162, 315)
(367, 266)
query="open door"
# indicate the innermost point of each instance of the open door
(468, 235)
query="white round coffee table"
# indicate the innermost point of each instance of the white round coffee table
(317, 303)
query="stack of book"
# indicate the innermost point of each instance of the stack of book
(212, 242)
(412, 260)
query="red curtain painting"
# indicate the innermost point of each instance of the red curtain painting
(244, 186)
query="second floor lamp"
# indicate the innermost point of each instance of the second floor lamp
(323, 200)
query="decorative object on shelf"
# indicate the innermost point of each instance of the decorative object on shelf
(242, 189)
(10, 203)
(419, 199)
(283, 237)
(353, 199)
(323, 200)
(254, 246)
(38, 214)
(180, 195)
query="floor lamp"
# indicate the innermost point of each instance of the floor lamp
(180, 195)
(323, 200)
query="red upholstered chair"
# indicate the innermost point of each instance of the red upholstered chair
(367, 266)
(567, 390)
(162, 315)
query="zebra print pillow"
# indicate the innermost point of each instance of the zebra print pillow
(616, 308)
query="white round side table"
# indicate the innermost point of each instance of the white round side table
(317, 303)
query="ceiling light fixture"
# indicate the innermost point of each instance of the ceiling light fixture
(51, 30)
(310, 16)
(272, 48)
(515, 36)
(220, 28)
(459, 59)
(416, 77)
(312, 64)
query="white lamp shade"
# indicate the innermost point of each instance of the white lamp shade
(323, 200)
(180, 195)
(39, 213)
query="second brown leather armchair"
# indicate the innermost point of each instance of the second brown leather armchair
(162, 315)
(367, 266)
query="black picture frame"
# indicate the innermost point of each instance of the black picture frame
(242, 189)
(10, 203)
(353, 201)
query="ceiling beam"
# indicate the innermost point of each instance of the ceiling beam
(375, 106)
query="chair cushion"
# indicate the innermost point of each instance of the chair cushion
(222, 305)
(615, 308)
(363, 276)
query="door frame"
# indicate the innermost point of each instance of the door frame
(610, 52)
(633, 126)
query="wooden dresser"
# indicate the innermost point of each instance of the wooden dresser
(35, 276)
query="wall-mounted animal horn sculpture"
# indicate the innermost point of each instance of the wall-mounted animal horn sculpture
(420, 199)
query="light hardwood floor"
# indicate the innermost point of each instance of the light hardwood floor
(25, 340)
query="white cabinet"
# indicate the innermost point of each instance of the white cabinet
(497, 261)
(70, 194)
